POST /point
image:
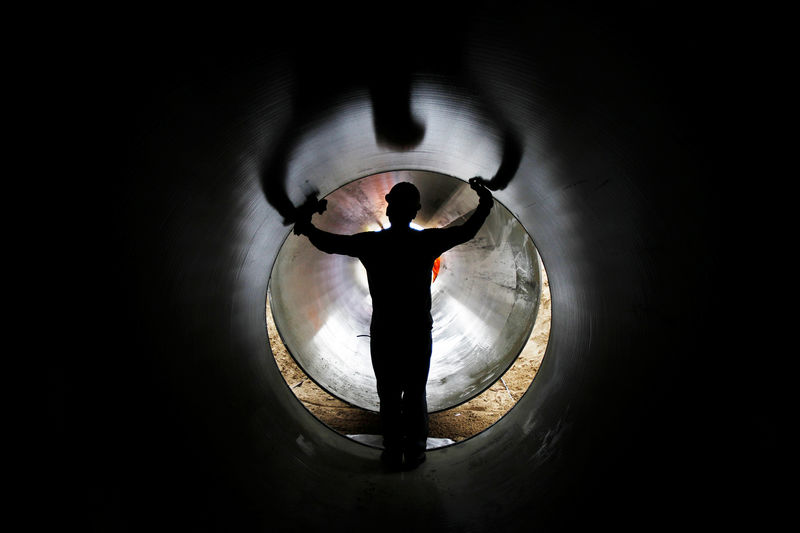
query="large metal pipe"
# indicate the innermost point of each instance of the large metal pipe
(192, 425)
(484, 300)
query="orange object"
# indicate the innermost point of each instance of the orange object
(436, 268)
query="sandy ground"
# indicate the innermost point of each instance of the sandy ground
(457, 423)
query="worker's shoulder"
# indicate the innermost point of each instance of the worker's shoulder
(434, 233)
(364, 238)
(426, 234)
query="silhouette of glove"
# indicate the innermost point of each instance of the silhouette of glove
(303, 214)
(478, 185)
(301, 226)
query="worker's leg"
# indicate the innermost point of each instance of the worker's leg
(384, 363)
(414, 403)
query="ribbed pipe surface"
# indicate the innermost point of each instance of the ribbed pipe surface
(484, 298)
(185, 414)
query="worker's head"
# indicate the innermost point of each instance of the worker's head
(403, 202)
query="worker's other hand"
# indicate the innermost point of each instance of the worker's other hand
(301, 226)
(303, 214)
(478, 185)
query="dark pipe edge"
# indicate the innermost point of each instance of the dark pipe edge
(177, 417)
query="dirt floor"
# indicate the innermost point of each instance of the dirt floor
(457, 423)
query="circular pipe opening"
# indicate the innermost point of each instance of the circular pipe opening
(486, 297)
(446, 427)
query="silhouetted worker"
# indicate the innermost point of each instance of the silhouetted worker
(398, 261)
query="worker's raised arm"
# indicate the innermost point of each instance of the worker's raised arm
(330, 243)
(449, 237)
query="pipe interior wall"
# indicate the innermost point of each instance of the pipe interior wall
(183, 419)
(484, 300)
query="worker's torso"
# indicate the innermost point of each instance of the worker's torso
(398, 265)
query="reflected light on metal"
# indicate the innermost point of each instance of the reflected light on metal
(484, 301)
